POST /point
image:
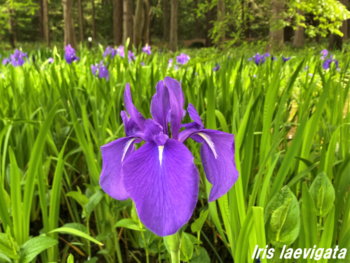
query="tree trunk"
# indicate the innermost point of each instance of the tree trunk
(298, 40)
(345, 26)
(165, 21)
(146, 20)
(221, 18)
(11, 28)
(46, 24)
(335, 42)
(41, 26)
(195, 18)
(93, 20)
(81, 19)
(128, 20)
(276, 40)
(118, 21)
(173, 25)
(69, 30)
(209, 26)
(138, 23)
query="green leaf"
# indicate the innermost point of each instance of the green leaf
(284, 225)
(94, 200)
(5, 258)
(199, 222)
(70, 258)
(74, 232)
(186, 250)
(202, 257)
(129, 224)
(322, 193)
(6, 248)
(34, 246)
(79, 197)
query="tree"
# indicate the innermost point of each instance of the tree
(345, 26)
(165, 21)
(173, 25)
(141, 23)
(81, 26)
(46, 26)
(299, 36)
(128, 21)
(93, 19)
(118, 21)
(69, 31)
(221, 22)
(276, 38)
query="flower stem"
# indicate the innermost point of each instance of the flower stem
(174, 243)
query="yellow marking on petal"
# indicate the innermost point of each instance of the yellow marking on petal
(209, 142)
(161, 148)
(126, 147)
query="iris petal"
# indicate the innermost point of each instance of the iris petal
(160, 106)
(135, 115)
(177, 101)
(113, 154)
(163, 182)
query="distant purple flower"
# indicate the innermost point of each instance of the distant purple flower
(327, 63)
(131, 56)
(102, 70)
(306, 68)
(51, 60)
(273, 58)
(70, 54)
(5, 61)
(142, 63)
(110, 51)
(170, 63)
(259, 59)
(147, 49)
(254, 76)
(160, 51)
(182, 59)
(176, 67)
(267, 54)
(324, 54)
(285, 59)
(161, 176)
(17, 58)
(120, 51)
(217, 67)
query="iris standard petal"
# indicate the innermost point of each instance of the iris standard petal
(113, 155)
(194, 114)
(163, 182)
(177, 101)
(160, 105)
(130, 126)
(154, 132)
(135, 115)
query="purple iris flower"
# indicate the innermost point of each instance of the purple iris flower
(102, 70)
(324, 54)
(110, 51)
(147, 49)
(285, 59)
(217, 67)
(16, 59)
(70, 54)
(131, 56)
(182, 59)
(142, 63)
(5, 61)
(259, 59)
(120, 51)
(51, 60)
(327, 63)
(161, 177)
(170, 63)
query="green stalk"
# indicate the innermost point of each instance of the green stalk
(174, 243)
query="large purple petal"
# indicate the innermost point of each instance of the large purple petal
(194, 114)
(177, 101)
(130, 126)
(113, 154)
(163, 182)
(218, 158)
(135, 115)
(160, 106)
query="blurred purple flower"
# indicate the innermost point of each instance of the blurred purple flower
(217, 67)
(102, 70)
(5, 61)
(285, 59)
(324, 54)
(51, 60)
(70, 54)
(16, 59)
(120, 51)
(170, 63)
(131, 56)
(182, 59)
(160, 176)
(259, 59)
(142, 63)
(327, 63)
(147, 49)
(110, 51)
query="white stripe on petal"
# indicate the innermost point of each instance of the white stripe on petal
(126, 147)
(209, 142)
(161, 148)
